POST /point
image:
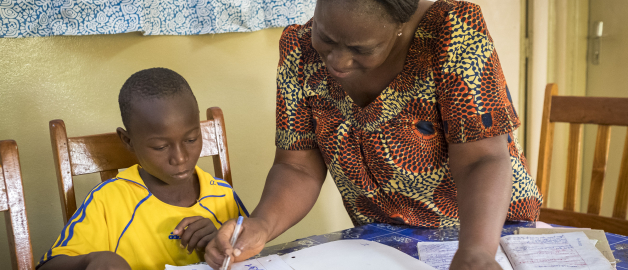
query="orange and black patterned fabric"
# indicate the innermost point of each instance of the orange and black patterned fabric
(389, 159)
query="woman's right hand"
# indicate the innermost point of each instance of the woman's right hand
(253, 236)
(292, 186)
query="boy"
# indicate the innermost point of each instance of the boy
(165, 209)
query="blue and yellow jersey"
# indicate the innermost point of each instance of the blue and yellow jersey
(121, 215)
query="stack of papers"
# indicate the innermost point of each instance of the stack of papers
(560, 251)
(601, 243)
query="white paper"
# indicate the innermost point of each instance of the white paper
(502, 259)
(541, 224)
(563, 251)
(272, 262)
(189, 267)
(440, 254)
(352, 254)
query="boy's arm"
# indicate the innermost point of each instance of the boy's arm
(84, 241)
(95, 260)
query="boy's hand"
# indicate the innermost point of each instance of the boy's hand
(195, 233)
(253, 237)
(106, 260)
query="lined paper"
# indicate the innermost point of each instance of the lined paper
(440, 254)
(564, 251)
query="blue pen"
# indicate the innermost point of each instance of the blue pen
(234, 237)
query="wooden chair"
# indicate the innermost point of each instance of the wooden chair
(12, 203)
(605, 112)
(105, 154)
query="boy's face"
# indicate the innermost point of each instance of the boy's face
(165, 135)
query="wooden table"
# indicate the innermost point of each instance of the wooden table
(405, 239)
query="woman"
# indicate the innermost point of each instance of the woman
(405, 104)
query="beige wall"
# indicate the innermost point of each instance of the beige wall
(77, 79)
(537, 77)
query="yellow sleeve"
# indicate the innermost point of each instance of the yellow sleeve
(86, 231)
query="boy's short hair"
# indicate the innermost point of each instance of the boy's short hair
(152, 83)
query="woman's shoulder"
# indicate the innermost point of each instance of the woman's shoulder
(456, 6)
(296, 38)
(455, 15)
(297, 31)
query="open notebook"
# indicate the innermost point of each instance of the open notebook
(561, 251)
(337, 255)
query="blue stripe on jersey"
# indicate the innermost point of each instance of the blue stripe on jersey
(83, 207)
(42, 260)
(132, 217)
(136, 184)
(235, 196)
(134, 210)
(211, 196)
(81, 211)
(237, 199)
(224, 184)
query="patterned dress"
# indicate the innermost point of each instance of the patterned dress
(390, 159)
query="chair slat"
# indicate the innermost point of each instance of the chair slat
(87, 154)
(600, 159)
(621, 197)
(63, 168)
(590, 110)
(15, 217)
(106, 175)
(4, 205)
(210, 147)
(574, 157)
(222, 168)
(545, 147)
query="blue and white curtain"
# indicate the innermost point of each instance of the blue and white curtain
(38, 18)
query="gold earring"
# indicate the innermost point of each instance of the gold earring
(399, 34)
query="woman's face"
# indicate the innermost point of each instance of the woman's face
(352, 40)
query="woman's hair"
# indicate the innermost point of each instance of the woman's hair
(400, 10)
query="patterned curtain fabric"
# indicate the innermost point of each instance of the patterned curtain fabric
(39, 18)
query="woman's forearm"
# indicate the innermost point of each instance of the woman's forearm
(483, 175)
(484, 193)
(291, 190)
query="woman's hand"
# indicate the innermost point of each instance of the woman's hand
(105, 260)
(291, 189)
(253, 236)
(195, 233)
(474, 259)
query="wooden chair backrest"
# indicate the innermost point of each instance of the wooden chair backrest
(105, 154)
(12, 204)
(605, 112)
